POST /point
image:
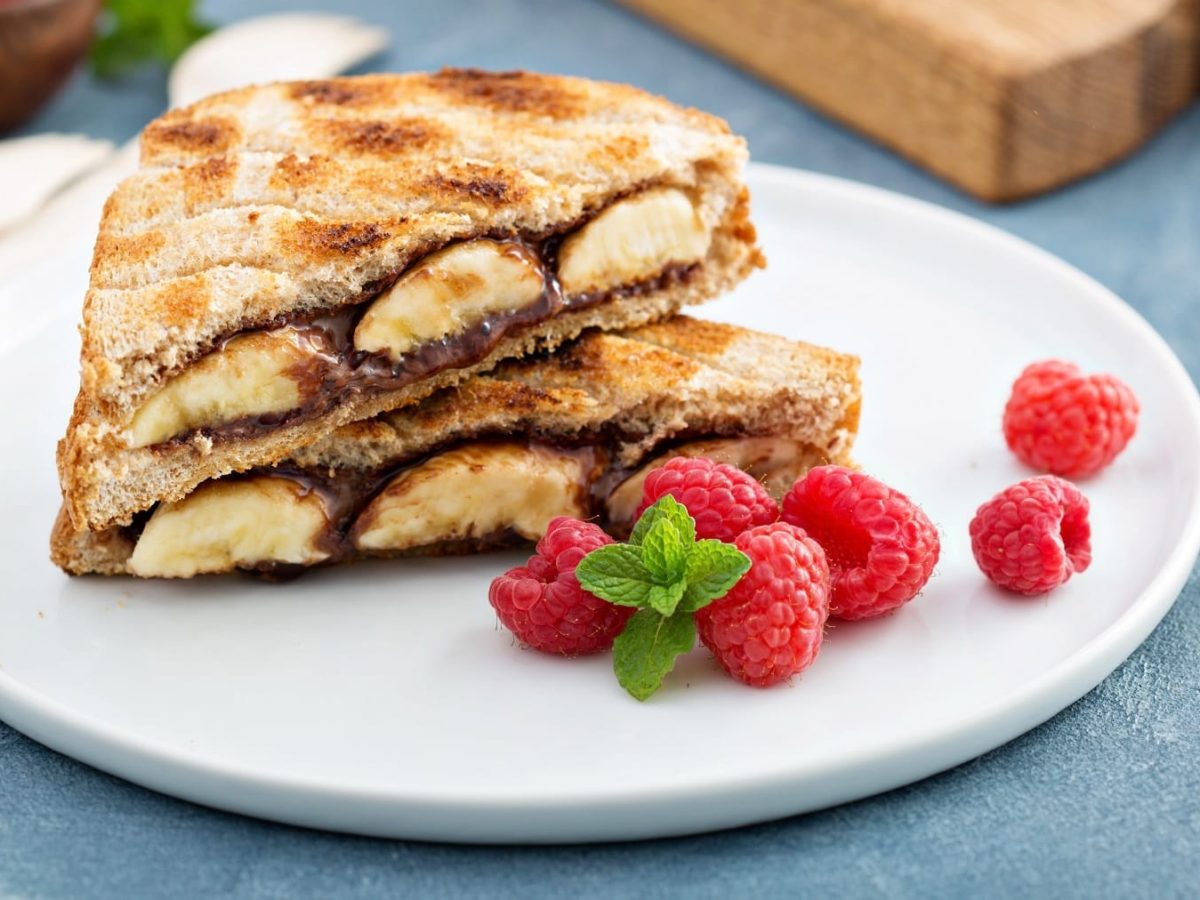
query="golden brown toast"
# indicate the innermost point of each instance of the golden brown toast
(572, 432)
(264, 221)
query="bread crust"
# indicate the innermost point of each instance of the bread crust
(647, 385)
(296, 198)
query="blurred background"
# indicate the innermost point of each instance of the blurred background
(1003, 98)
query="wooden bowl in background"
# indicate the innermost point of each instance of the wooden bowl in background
(41, 41)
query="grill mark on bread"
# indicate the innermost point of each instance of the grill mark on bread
(314, 187)
(383, 138)
(208, 182)
(115, 251)
(494, 190)
(180, 300)
(515, 91)
(340, 238)
(284, 239)
(208, 135)
(336, 92)
(704, 338)
(524, 398)
(293, 171)
(620, 149)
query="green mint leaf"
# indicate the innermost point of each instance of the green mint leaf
(713, 567)
(663, 570)
(645, 651)
(137, 31)
(665, 550)
(664, 598)
(615, 573)
(665, 507)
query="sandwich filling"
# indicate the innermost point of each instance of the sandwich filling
(447, 310)
(485, 492)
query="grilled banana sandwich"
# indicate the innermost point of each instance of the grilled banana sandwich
(490, 460)
(294, 257)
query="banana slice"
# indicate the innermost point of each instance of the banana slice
(776, 462)
(224, 525)
(475, 491)
(447, 292)
(632, 240)
(255, 374)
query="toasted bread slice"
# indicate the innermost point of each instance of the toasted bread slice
(492, 459)
(293, 257)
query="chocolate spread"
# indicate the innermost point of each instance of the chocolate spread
(339, 370)
(346, 492)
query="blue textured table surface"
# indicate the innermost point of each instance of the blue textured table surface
(1103, 800)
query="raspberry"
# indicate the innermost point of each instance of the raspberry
(1033, 536)
(770, 624)
(1062, 421)
(881, 547)
(542, 603)
(723, 499)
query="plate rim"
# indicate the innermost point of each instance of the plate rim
(183, 773)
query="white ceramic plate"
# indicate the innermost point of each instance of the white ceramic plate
(381, 698)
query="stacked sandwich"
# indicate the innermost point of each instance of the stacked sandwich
(420, 313)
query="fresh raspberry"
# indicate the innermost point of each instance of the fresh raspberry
(769, 626)
(881, 547)
(542, 603)
(723, 499)
(1062, 421)
(1033, 536)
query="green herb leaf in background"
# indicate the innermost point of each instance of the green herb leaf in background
(133, 32)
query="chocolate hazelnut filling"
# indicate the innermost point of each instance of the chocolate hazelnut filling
(493, 491)
(338, 370)
(470, 295)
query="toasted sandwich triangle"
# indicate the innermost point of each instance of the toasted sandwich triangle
(261, 216)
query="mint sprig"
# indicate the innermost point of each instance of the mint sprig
(136, 31)
(667, 575)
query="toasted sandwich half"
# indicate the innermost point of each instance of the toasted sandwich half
(293, 257)
(490, 461)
